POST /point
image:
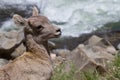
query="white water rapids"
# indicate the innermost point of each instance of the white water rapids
(73, 16)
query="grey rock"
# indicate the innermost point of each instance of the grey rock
(9, 41)
(3, 62)
(18, 51)
(7, 9)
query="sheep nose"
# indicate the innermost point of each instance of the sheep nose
(58, 30)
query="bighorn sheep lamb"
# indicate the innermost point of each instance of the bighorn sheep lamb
(35, 64)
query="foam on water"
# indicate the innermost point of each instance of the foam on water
(8, 26)
(82, 16)
(77, 16)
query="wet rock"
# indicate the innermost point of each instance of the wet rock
(7, 10)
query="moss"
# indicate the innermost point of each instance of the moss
(60, 74)
(112, 26)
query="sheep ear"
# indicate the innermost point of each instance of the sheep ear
(19, 20)
(35, 11)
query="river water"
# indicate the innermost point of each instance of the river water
(74, 17)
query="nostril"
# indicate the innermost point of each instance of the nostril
(58, 30)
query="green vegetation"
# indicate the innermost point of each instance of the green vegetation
(74, 74)
(114, 70)
(59, 73)
(112, 26)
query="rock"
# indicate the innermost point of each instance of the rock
(95, 56)
(3, 62)
(18, 51)
(111, 50)
(118, 46)
(7, 9)
(97, 41)
(94, 40)
(86, 59)
(113, 37)
(9, 41)
(62, 52)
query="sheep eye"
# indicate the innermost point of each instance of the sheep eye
(21, 23)
(40, 27)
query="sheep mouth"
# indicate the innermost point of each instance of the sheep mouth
(57, 34)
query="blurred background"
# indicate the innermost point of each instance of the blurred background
(75, 17)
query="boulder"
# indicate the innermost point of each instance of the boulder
(105, 44)
(9, 41)
(18, 51)
(93, 55)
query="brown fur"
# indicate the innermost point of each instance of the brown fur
(35, 64)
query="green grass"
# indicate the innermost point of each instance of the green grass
(60, 74)
(74, 74)
(114, 70)
(89, 75)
